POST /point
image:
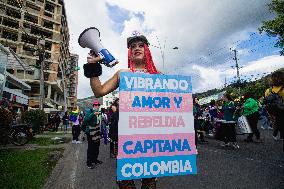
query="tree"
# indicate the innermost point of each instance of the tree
(275, 27)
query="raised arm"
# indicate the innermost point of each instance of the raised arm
(98, 88)
(110, 85)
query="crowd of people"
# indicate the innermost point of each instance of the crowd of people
(218, 119)
(93, 124)
(221, 118)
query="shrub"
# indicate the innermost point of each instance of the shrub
(5, 119)
(37, 118)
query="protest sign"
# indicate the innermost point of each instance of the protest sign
(156, 128)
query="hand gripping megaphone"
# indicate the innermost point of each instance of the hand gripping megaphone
(90, 38)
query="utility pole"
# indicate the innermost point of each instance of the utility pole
(238, 70)
(162, 51)
(41, 45)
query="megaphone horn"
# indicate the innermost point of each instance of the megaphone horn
(90, 38)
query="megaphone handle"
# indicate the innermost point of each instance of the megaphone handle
(101, 55)
(112, 63)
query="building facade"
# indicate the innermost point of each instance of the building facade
(25, 23)
(109, 98)
(72, 81)
(13, 90)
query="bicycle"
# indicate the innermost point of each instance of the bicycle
(20, 134)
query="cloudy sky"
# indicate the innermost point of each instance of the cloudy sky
(205, 33)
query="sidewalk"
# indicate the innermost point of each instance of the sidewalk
(71, 170)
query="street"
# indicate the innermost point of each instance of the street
(252, 166)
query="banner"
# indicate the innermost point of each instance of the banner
(156, 128)
(243, 126)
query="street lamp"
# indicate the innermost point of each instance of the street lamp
(162, 50)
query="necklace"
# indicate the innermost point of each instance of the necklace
(140, 70)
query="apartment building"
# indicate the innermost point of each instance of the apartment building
(72, 81)
(25, 23)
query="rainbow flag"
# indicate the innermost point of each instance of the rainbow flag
(74, 115)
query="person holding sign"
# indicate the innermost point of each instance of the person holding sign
(139, 60)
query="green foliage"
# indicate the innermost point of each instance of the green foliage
(254, 89)
(275, 27)
(5, 119)
(37, 118)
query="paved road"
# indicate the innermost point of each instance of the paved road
(251, 166)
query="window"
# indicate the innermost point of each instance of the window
(28, 50)
(9, 35)
(31, 18)
(10, 23)
(15, 3)
(48, 24)
(13, 13)
(32, 7)
(30, 72)
(49, 7)
(29, 39)
(48, 14)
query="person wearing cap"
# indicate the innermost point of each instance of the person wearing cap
(139, 60)
(92, 130)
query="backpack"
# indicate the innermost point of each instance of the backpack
(274, 101)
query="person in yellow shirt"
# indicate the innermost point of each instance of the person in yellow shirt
(277, 86)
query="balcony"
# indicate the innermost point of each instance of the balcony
(13, 13)
(31, 18)
(39, 3)
(13, 3)
(31, 10)
(27, 76)
(9, 35)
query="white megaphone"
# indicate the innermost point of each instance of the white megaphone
(90, 38)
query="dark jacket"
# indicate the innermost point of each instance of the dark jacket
(65, 119)
(229, 109)
(92, 125)
(114, 126)
(57, 119)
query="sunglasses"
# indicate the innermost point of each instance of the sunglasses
(96, 105)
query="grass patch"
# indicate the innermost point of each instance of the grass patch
(27, 169)
(52, 133)
(43, 141)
